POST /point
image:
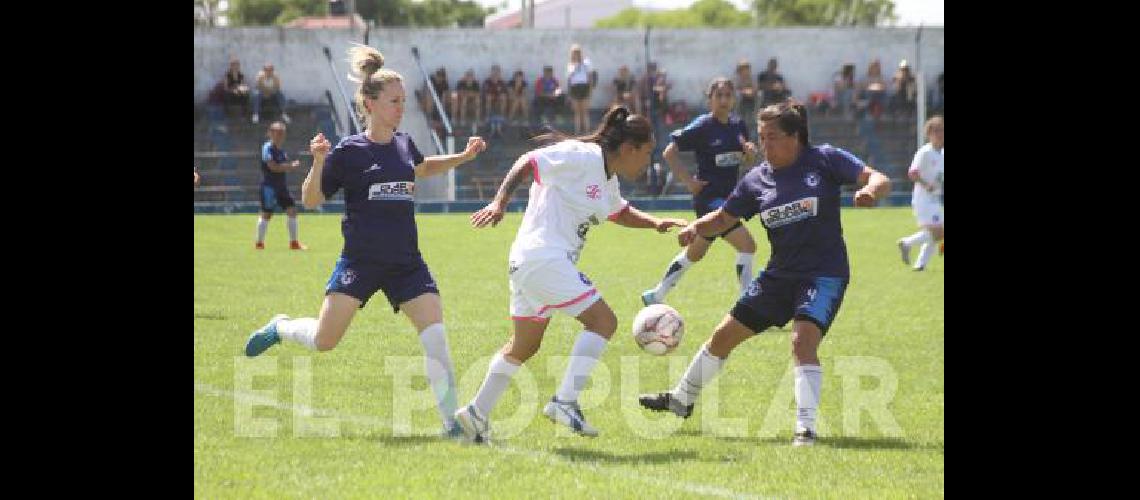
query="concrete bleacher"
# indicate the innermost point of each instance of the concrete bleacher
(227, 151)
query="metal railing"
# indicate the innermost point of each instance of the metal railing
(449, 138)
(354, 126)
(335, 115)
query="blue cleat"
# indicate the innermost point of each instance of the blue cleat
(648, 297)
(264, 338)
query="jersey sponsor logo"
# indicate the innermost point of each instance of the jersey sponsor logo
(392, 191)
(347, 277)
(729, 159)
(812, 179)
(790, 212)
(593, 192)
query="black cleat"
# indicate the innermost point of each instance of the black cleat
(664, 402)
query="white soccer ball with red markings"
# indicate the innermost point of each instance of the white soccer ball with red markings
(658, 329)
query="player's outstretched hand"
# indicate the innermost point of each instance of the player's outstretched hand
(319, 146)
(665, 224)
(687, 235)
(864, 198)
(490, 214)
(475, 145)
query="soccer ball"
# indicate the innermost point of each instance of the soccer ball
(658, 328)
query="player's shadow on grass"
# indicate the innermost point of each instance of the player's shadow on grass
(656, 457)
(397, 441)
(841, 442)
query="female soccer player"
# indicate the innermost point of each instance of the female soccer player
(377, 170)
(796, 193)
(720, 140)
(274, 192)
(926, 170)
(574, 189)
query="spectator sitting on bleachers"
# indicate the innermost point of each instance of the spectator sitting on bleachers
(236, 90)
(518, 101)
(549, 96)
(772, 87)
(495, 97)
(845, 87)
(468, 88)
(905, 90)
(268, 87)
(873, 90)
(625, 90)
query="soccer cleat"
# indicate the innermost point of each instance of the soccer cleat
(664, 401)
(259, 245)
(475, 427)
(649, 297)
(454, 432)
(569, 414)
(296, 245)
(919, 268)
(264, 338)
(904, 249)
(804, 438)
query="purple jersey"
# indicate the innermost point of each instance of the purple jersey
(269, 177)
(799, 208)
(719, 148)
(379, 222)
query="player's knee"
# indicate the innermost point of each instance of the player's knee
(695, 254)
(520, 353)
(749, 246)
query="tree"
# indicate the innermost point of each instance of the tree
(701, 14)
(269, 12)
(823, 12)
(428, 13)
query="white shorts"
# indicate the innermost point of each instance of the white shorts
(538, 288)
(929, 214)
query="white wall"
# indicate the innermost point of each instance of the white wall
(808, 57)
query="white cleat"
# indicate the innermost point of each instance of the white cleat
(569, 414)
(475, 426)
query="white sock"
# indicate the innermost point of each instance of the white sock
(744, 269)
(499, 375)
(809, 379)
(291, 223)
(673, 274)
(924, 255)
(922, 236)
(437, 364)
(262, 225)
(300, 330)
(587, 349)
(701, 370)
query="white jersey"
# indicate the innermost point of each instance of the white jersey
(929, 164)
(569, 194)
(579, 73)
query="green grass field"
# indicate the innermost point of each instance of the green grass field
(352, 423)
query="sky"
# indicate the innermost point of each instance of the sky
(910, 12)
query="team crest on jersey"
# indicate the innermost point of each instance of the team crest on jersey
(347, 277)
(812, 179)
(790, 212)
(593, 192)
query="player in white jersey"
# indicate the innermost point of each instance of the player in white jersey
(926, 170)
(574, 189)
